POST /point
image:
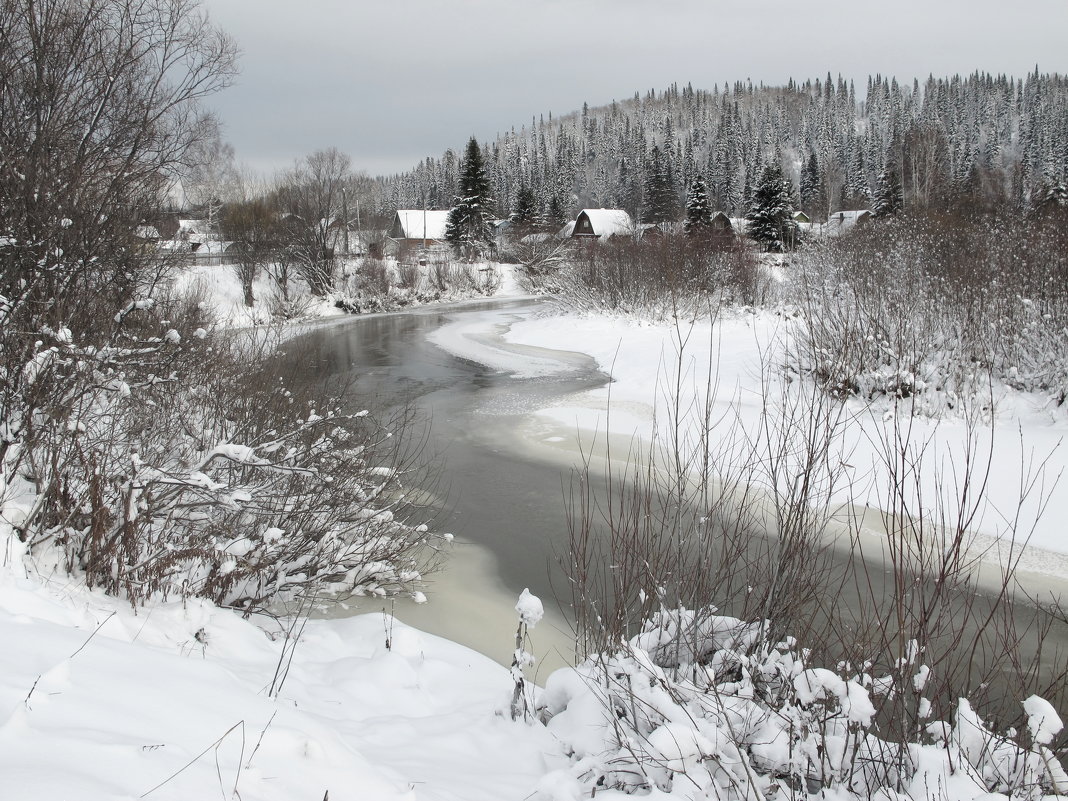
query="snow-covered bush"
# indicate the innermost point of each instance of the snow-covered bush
(530, 611)
(189, 467)
(936, 309)
(657, 277)
(751, 521)
(741, 716)
(137, 451)
(380, 285)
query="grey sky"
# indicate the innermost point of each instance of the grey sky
(392, 81)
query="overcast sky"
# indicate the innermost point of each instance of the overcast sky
(392, 81)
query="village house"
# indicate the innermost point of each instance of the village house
(419, 227)
(839, 222)
(720, 228)
(602, 224)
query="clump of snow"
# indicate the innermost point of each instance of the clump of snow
(530, 608)
(1042, 720)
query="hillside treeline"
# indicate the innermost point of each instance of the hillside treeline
(981, 141)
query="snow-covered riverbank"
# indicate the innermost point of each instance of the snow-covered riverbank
(175, 702)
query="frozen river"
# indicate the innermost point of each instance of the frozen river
(504, 505)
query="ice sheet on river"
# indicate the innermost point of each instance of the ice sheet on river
(476, 337)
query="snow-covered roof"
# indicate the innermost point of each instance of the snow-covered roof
(844, 218)
(193, 230)
(213, 247)
(193, 226)
(176, 245)
(146, 232)
(839, 222)
(538, 238)
(604, 223)
(419, 224)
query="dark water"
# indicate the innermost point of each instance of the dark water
(497, 498)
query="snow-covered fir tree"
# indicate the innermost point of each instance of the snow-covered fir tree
(698, 207)
(1053, 199)
(661, 205)
(887, 198)
(469, 222)
(525, 212)
(813, 200)
(770, 215)
(554, 214)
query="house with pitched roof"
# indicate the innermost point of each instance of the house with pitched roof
(419, 227)
(602, 224)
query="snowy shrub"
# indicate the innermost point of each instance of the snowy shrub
(382, 285)
(409, 275)
(530, 611)
(744, 717)
(657, 278)
(288, 306)
(675, 696)
(194, 470)
(540, 259)
(936, 309)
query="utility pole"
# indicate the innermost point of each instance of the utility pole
(345, 216)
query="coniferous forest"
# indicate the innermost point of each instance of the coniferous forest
(981, 142)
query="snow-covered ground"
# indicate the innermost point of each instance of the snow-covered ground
(221, 290)
(175, 702)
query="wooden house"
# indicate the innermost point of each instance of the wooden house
(592, 224)
(842, 221)
(419, 227)
(720, 227)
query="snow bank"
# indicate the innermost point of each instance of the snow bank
(742, 353)
(477, 338)
(97, 702)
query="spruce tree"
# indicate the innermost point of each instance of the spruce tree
(887, 199)
(698, 208)
(628, 190)
(771, 213)
(813, 201)
(1052, 199)
(554, 215)
(469, 222)
(524, 215)
(660, 205)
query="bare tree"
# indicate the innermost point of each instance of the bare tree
(212, 177)
(99, 112)
(311, 199)
(253, 228)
